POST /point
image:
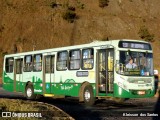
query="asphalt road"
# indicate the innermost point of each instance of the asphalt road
(102, 110)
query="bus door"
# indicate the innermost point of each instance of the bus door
(18, 78)
(48, 73)
(105, 68)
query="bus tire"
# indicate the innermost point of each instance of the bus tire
(88, 95)
(29, 92)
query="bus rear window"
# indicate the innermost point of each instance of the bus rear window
(9, 65)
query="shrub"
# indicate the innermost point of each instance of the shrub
(19, 40)
(103, 3)
(144, 34)
(71, 8)
(53, 4)
(4, 53)
(70, 14)
(80, 5)
(105, 39)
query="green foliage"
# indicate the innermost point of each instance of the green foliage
(103, 3)
(65, 4)
(80, 5)
(53, 4)
(71, 8)
(144, 34)
(70, 14)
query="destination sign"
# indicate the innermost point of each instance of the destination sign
(82, 74)
(135, 45)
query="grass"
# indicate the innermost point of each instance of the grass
(47, 111)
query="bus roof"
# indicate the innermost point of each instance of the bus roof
(95, 43)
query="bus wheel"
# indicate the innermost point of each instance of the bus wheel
(88, 96)
(29, 93)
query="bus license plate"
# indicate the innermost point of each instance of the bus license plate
(141, 92)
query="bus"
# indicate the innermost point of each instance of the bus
(97, 70)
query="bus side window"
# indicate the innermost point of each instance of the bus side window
(62, 58)
(88, 58)
(9, 65)
(37, 65)
(74, 63)
(28, 63)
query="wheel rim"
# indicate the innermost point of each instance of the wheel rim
(87, 95)
(29, 92)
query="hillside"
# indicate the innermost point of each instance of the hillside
(38, 24)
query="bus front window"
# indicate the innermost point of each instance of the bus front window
(133, 63)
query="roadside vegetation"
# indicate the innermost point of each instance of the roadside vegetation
(47, 111)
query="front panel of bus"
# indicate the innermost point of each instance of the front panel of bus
(134, 76)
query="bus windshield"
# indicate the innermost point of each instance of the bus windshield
(133, 63)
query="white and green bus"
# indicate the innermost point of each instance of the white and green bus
(90, 71)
